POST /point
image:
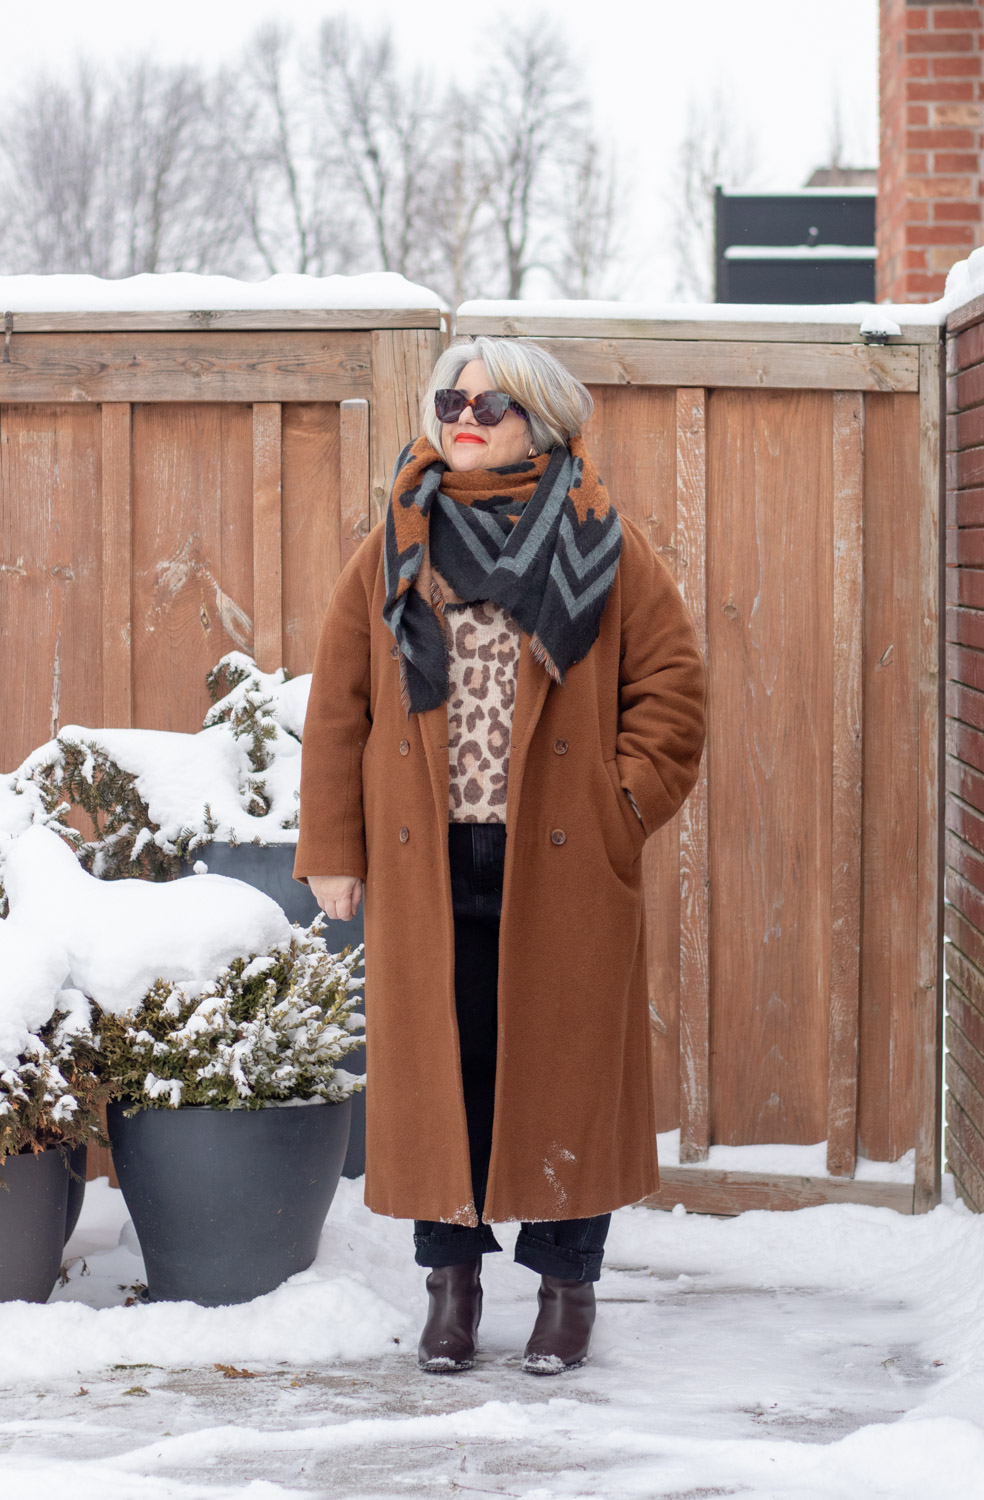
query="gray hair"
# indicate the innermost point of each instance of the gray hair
(556, 403)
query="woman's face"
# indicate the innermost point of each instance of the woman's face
(469, 445)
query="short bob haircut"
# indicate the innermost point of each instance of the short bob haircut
(556, 403)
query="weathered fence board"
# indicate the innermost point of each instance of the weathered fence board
(848, 782)
(268, 642)
(195, 367)
(312, 543)
(117, 645)
(707, 362)
(695, 978)
(50, 568)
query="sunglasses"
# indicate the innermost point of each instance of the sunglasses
(489, 407)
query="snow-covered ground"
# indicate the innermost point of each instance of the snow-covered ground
(833, 1352)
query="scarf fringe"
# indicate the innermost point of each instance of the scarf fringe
(404, 689)
(545, 660)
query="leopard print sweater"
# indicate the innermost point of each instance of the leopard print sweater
(484, 645)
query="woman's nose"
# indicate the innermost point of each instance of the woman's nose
(467, 415)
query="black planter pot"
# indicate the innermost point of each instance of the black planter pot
(33, 1206)
(78, 1159)
(227, 1203)
(270, 867)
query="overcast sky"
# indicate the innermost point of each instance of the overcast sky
(781, 63)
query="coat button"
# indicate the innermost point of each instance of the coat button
(404, 747)
(404, 835)
(558, 836)
(560, 746)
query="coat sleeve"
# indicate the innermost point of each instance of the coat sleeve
(662, 688)
(331, 838)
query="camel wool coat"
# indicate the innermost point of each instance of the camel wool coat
(574, 1130)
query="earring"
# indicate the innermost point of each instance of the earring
(532, 452)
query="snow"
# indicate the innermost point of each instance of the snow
(784, 1159)
(879, 323)
(800, 252)
(964, 282)
(804, 193)
(183, 291)
(178, 775)
(703, 312)
(815, 1355)
(112, 939)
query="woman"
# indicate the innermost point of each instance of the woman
(507, 701)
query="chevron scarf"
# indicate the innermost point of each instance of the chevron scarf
(540, 538)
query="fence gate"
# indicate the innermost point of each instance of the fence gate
(789, 474)
(177, 485)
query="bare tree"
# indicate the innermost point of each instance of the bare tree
(381, 123)
(463, 228)
(533, 122)
(295, 207)
(590, 222)
(114, 174)
(315, 158)
(714, 150)
(53, 141)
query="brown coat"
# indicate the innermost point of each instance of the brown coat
(574, 1131)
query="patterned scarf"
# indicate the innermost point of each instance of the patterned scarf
(540, 538)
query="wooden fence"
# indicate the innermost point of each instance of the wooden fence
(175, 486)
(790, 475)
(965, 753)
(172, 490)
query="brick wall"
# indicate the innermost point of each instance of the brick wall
(929, 180)
(964, 912)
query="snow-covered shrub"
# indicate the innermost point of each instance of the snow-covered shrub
(154, 797)
(50, 1094)
(75, 770)
(271, 1027)
(245, 698)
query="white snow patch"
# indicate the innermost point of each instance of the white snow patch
(833, 1353)
(112, 939)
(783, 1159)
(184, 291)
(964, 282)
(879, 323)
(799, 252)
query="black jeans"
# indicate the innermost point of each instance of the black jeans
(568, 1248)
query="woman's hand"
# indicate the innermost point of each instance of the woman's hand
(337, 895)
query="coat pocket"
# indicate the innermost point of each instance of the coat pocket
(632, 829)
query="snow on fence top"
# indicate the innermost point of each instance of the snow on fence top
(386, 291)
(182, 291)
(964, 283)
(840, 313)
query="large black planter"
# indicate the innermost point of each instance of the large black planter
(227, 1203)
(78, 1159)
(270, 868)
(33, 1206)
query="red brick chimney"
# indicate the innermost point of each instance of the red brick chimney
(929, 179)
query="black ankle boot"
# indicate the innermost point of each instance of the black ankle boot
(447, 1343)
(562, 1330)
